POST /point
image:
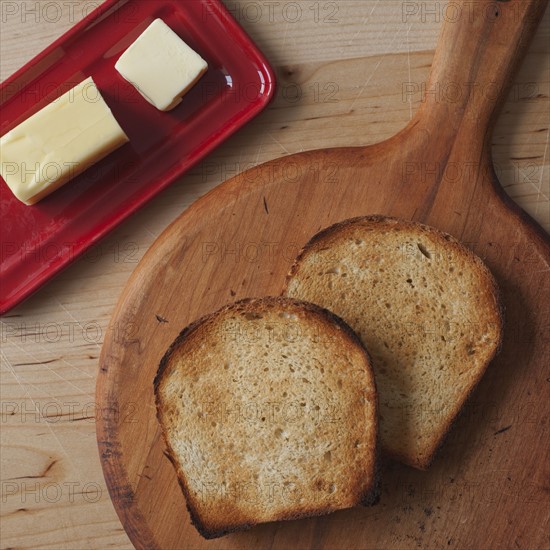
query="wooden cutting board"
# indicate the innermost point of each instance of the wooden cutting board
(489, 485)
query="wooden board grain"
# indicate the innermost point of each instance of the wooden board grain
(489, 485)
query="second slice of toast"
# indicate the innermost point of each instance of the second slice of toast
(426, 308)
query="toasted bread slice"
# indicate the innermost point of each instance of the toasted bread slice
(427, 310)
(269, 412)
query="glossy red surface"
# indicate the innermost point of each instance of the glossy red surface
(38, 241)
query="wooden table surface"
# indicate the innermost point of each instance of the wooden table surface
(342, 68)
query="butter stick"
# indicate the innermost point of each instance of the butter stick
(58, 143)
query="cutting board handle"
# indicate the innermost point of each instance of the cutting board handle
(480, 47)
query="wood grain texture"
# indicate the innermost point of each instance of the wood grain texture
(240, 240)
(50, 345)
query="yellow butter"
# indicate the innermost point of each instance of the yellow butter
(58, 143)
(161, 66)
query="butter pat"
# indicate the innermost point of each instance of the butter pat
(161, 66)
(58, 143)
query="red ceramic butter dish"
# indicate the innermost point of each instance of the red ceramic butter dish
(38, 241)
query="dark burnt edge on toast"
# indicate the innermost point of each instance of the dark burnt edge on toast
(452, 242)
(371, 495)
